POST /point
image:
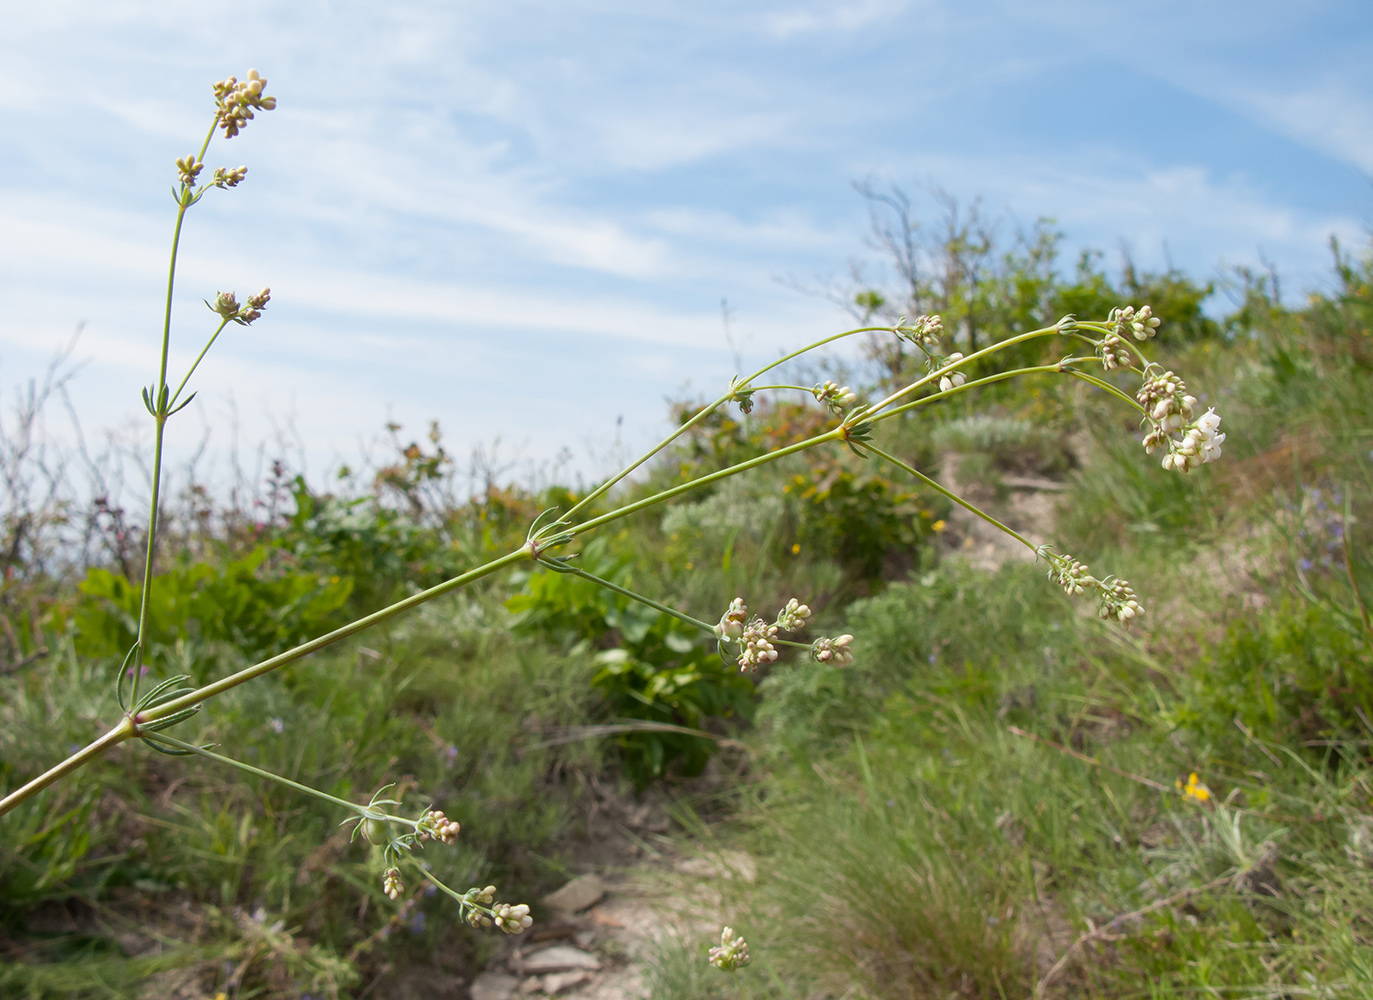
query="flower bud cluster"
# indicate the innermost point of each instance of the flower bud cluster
(755, 647)
(1072, 576)
(731, 624)
(188, 169)
(391, 883)
(435, 824)
(793, 616)
(229, 177)
(731, 953)
(512, 918)
(1118, 601)
(226, 305)
(1169, 408)
(834, 651)
(836, 397)
(925, 331)
(1112, 352)
(953, 379)
(475, 917)
(236, 100)
(1140, 325)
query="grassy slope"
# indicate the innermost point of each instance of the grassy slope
(931, 851)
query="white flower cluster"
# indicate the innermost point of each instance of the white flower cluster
(755, 635)
(226, 305)
(512, 918)
(435, 824)
(731, 953)
(834, 651)
(754, 647)
(229, 177)
(1128, 323)
(485, 897)
(925, 331)
(188, 169)
(391, 883)
(236, 101)
(1111, 350)
(1118, 599)
(836, 397)
(793, 616)
(731, 625)
(1169, 408)
(952, 379)
(1071, 575)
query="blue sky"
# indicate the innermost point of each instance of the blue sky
(520, 218)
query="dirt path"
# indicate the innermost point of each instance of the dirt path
(601, 942)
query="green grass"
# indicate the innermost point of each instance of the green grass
(909, 842)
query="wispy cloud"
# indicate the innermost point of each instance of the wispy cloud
(571, 189)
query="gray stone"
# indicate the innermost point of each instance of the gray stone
(559, 958)
(577, 895)
(493, 986)
(555, 982)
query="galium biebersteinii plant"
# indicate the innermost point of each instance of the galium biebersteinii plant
(1163, 401)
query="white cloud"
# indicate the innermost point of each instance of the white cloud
(833, 15)
(1330, 116)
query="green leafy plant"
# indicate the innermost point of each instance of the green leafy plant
(196, 612)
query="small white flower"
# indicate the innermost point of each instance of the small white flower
(512, 919)
(391, 883)
(835, 652)
(731, 624)
(793, 616)
(731, 953)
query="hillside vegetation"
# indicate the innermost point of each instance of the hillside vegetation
(1002, 796)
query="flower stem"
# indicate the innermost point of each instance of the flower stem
(986, 351)
(304, 649)
(1108, 387)
(574, 571)
(832, 435)
(161, 417)
(951, 495)
(259, 772)
(203, 351)
(121, 732)
(707, 410)
(988, 380)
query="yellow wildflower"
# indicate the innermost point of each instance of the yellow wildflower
(1194, 789)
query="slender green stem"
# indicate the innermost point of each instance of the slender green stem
(123, 731)
(161, 417)
(573, 570)
(203, 351)
(1108, 387)
(952, 496)
(305, 649)
(707, 410)
(810, 347)
(798, 388)
(740, 983)
(988, 380)
(986, 351)
(460, 897)
(259, 772)
(832, 435)
(149, 550)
